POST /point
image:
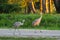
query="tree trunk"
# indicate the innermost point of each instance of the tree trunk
(43, 5)
(47, 6)
(31, 7)
(57, 5)
(25, 10)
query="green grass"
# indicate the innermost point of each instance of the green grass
(49, 22)
(15, 38)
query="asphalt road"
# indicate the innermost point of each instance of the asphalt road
(29, 33)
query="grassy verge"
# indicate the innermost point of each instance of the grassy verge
(12, 38)
(49, 22)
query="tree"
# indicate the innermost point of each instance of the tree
(3, 1)
(57, 5)
(31, 7)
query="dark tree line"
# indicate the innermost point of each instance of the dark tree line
(31, 7)
(57, 5)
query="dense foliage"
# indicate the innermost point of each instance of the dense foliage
(48, 21)
(8, 8)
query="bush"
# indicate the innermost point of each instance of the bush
(48, 21)
(3, 1)
(8, 8)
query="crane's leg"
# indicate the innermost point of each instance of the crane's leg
(15, 28)
(14, 32)
(19, 32)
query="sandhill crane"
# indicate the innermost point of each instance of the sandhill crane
(37, 21)
(18, 24)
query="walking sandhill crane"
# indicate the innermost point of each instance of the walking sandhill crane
(18, 24)
(37, 21)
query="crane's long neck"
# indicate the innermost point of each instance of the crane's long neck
(41, 15)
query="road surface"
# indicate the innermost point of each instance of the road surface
(29, 33)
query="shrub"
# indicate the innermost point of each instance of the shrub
(48, 21)
(8, 8)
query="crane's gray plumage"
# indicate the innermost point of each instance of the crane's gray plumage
(18, 24)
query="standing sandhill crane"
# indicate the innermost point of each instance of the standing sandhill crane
(37, 21)
(18, 24)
